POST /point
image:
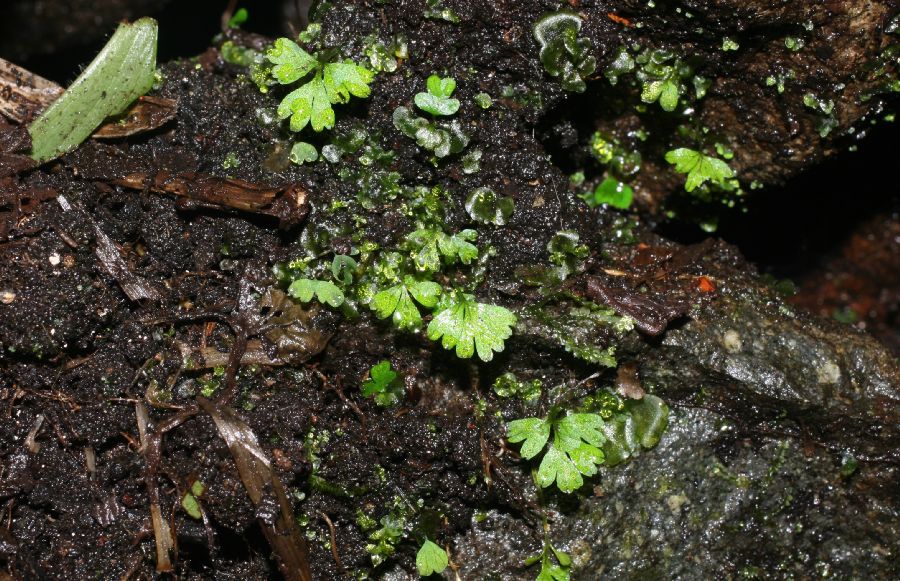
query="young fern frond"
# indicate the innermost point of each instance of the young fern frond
(331, 83)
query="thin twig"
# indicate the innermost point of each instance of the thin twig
(331, 532)
(151, 446)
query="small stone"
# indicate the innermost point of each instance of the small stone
(732, 341)
(54, 259)
(7, 297)
(581, 553)
(828, 373)
(675, 502)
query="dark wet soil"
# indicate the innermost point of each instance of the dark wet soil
(78, 355)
